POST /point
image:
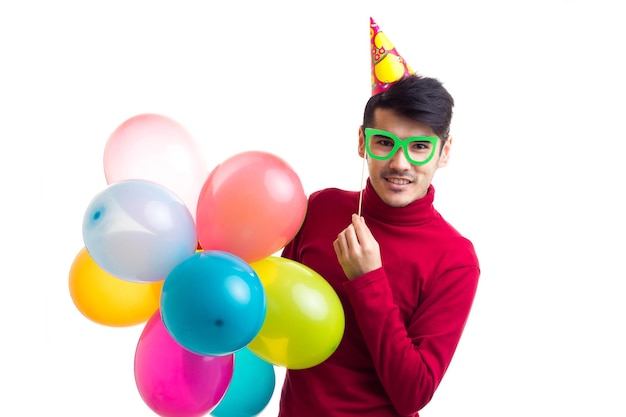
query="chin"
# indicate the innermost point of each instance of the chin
(394, 201)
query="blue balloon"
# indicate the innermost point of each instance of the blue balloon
(213, 303)
(138, 231)
(251, 387)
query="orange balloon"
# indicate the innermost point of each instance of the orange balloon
(108, 300)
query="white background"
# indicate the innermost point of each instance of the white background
(536, 178)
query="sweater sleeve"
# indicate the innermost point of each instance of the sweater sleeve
(411, 359)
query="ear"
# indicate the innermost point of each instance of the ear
(361, 142)
(445, 153)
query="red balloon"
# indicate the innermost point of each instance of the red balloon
(250, 205)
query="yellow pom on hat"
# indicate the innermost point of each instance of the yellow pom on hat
(387, 64)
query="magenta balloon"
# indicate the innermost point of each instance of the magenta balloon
(156, 148)
(175, 382)
(251, 205)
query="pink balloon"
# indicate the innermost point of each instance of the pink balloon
(175, 382)
(250, 205)
(156, 148)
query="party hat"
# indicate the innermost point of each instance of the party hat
(387, 64)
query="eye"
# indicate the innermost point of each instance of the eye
(383, 141)
(421, 146)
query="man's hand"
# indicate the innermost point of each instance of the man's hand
(357, 250)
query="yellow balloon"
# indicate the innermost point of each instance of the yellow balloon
(305, 320)
(108, 300)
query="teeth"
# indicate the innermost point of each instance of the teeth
(398, 181)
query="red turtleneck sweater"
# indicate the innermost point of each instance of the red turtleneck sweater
(403, 321)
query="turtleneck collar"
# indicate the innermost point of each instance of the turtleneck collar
(419, 211)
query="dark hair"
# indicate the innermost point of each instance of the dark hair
(422, 99)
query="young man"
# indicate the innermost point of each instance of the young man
(405, 277)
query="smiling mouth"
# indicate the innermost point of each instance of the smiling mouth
(398, 181)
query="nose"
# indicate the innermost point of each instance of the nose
(399, 162)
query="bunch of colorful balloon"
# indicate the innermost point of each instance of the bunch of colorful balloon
(190, 253)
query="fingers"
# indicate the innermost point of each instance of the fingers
(347, 240)
(339, 244)
(361, 230)
(357, 250)
(351, 238)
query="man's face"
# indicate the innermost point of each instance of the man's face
(397, 181)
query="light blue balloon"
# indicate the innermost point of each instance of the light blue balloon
(213, 303)
(251, 387)
(138, 231)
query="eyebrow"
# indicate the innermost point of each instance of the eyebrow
(408, 137)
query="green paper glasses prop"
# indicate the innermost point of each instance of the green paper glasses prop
(382, 145)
